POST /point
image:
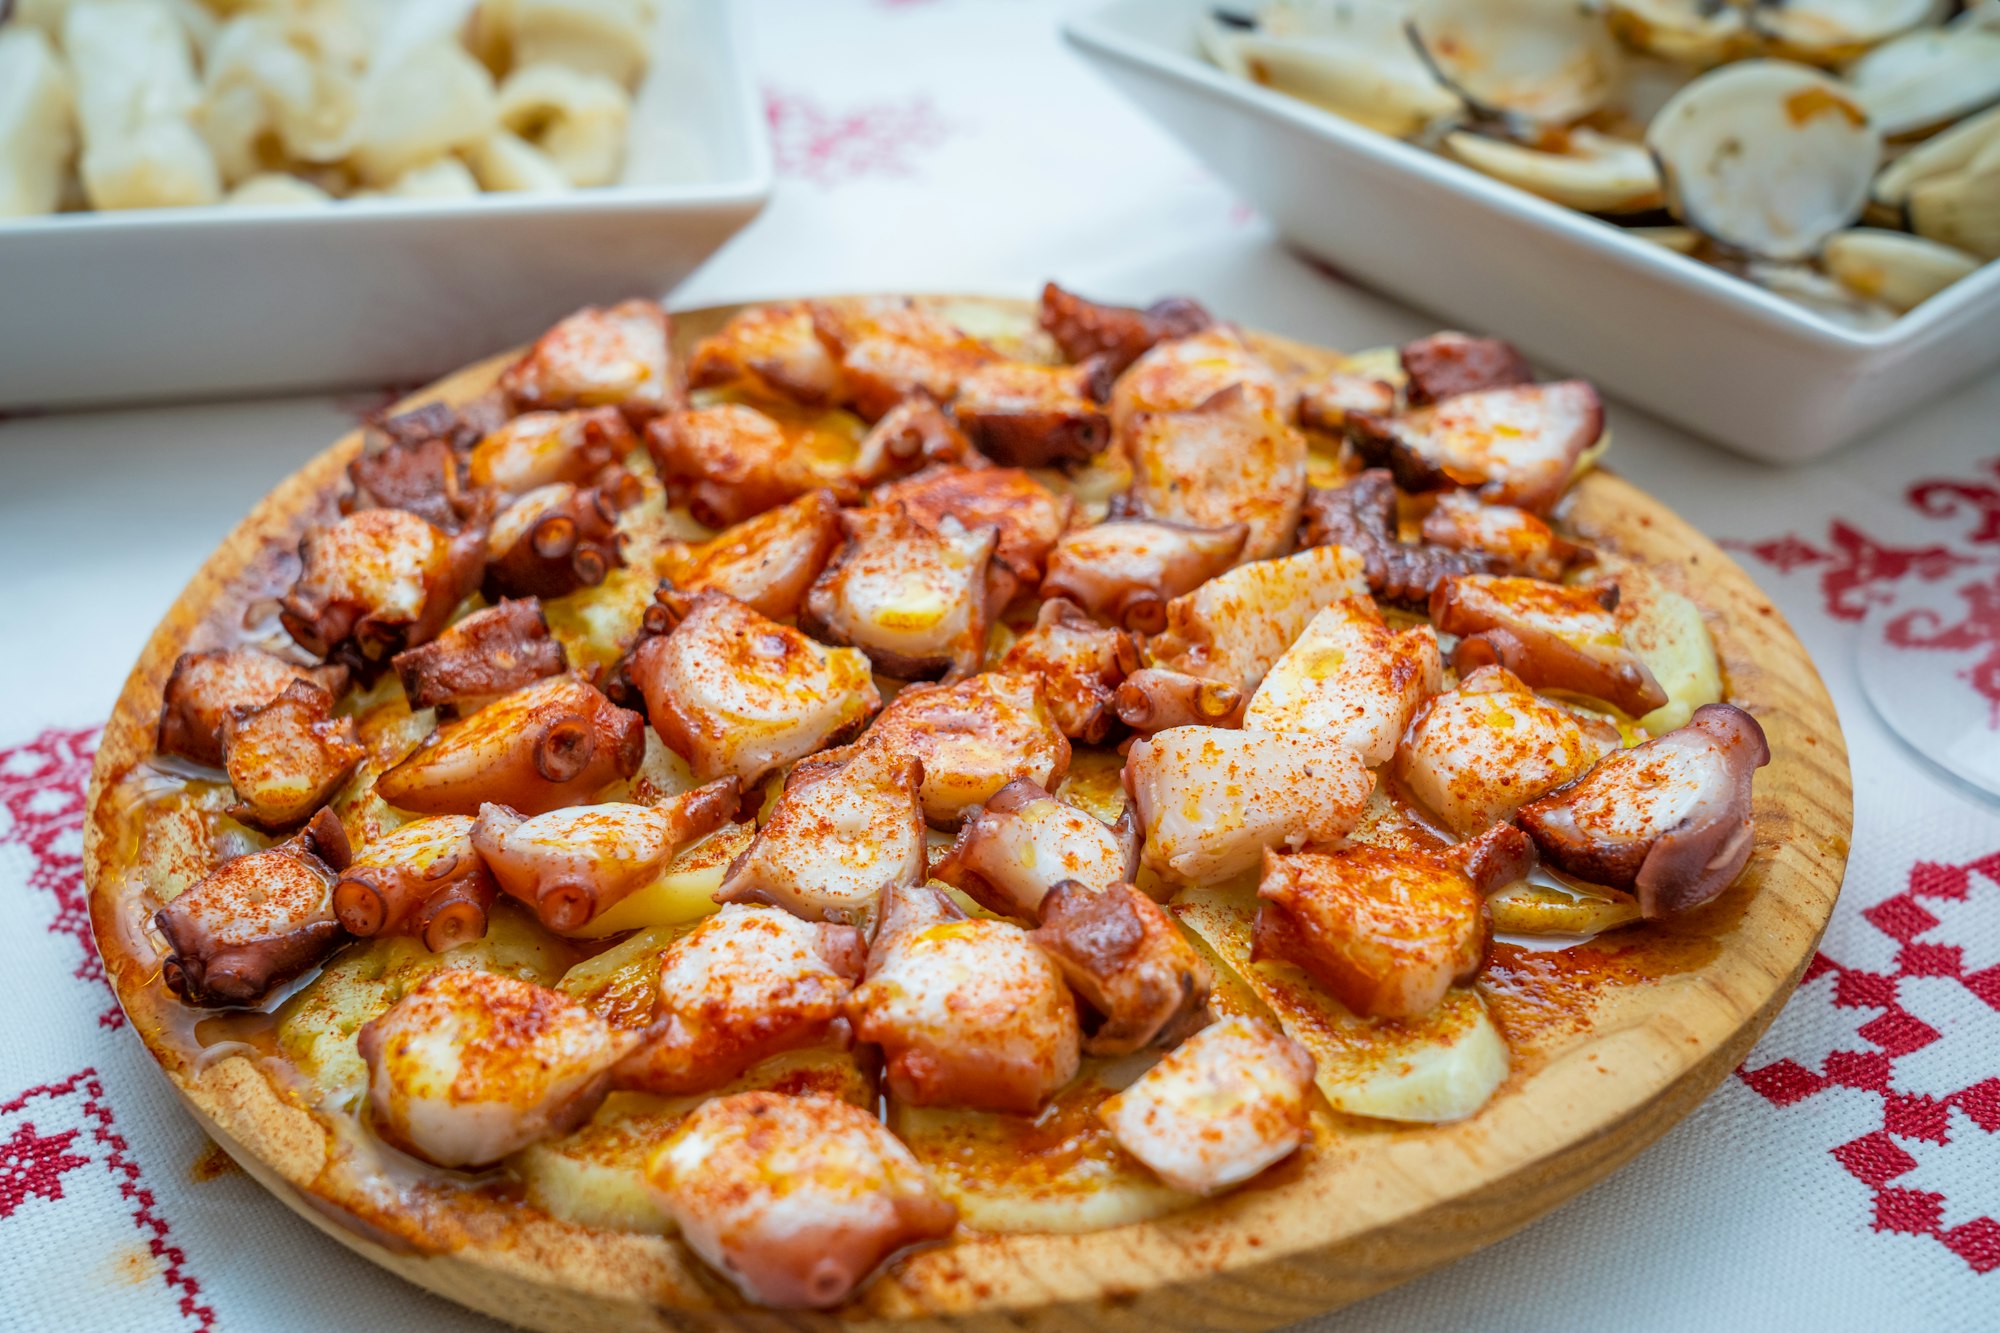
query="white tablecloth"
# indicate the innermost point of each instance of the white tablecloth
(1847, 1178)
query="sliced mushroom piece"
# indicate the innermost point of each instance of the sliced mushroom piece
(620, 356)
(572, 864)
(836, 840)
(1023, 842)
(892, 347)
(767, 562)
(1350, 679)
(1236, 626)
(1925, 80)
(554, 743)
(1180, 374)
(915, 600)
(1551, 636)
(1029, 516)
(1515, 446)
(1211, 801)
(205, 688)
(1897, 270)
(730, 462)
(1581, 169)
(1129, 962)
(1354, 60)
(913, 435)
(1387, 933)
(423, 879)
(968, 1012)
(1766, 157)
(539, 449)
(1127, 570)
(491, 652)
(255, 922)
(736, 694)
(1233, 459)
(1120, 334)
(1476, 754)
(1548, 62)
(1028, 415)
(973, 738)
(377, 582)
(287, 757)
(1513, 541)
(773, 348)
(1078, 662)
(1671, 819)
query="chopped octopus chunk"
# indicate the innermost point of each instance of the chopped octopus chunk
(1551, 636)
(796, 1200)
(1079, 663)
(891, 347)
(204, 688)
(1016, 847)
(1515, 446)
(1127, 570)
(286, 758)
(423, 879)
(1326, 399)
(1120, 334)
(773, 348)
(730, 462)
(914, 434)
(1180, 374)
(558, 538)
(767, 562)
(1671, 819)
(1513, 540)
(1386, 932)
(1232, 459)
(376, 582)
(1235, 627)
(1028, 415)
(1029, 516)
(968, 1011)
(490, 652)
(1350, 678)
(621, 357)
(539, 449)
(1129, 962)
(472, 1065)
(1476, 754)
(425, 477)
(1212, 800)
(1360, 514)
(1448, 364)
(734, 693)
(915, 600)
(1227, 1103)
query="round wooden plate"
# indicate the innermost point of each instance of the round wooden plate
(1627, 1045)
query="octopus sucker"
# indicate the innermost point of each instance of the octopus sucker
(1119, 334)
(1550, 635)
(204, 688)
(423, 879)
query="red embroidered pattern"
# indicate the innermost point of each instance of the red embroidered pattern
(826, 147)
(43, 1177)
(32, 1166)
(41, 808)
(1877, 1159)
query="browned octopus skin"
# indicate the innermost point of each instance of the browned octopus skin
(1027, 415)
(1513, 541)
(332, 611)
(287, 757)
(912, 435)
(205, 687)
(619, 356)
(1128, 960)
(1361, 516)
(1029, 515)
(1447, 364)
(1500, 856)
(494, 651)
(423, 879)
(1127, 569)
(1670, 820)
(1157, 698)
(460, 427)
(426, 478)
(256, 921)
(1120, 334)
(767, 563)
(564, 538)
(1080, 664)
(1506, 620)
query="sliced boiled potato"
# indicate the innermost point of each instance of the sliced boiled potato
(595, 1176)
(622, 984)
(684, 892)
(1439, 1068)
(1667, 632)
(596, 625)
(1095, 783)
(1531, 908)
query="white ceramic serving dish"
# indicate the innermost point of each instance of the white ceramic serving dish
(1713, 353)
(195, 302)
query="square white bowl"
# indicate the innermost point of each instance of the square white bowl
(204, 302)
(1724, 358)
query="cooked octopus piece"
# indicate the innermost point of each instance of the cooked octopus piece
(553, 743)
(1670, 820)
(767, 562)
(1212, 800)
(1119, 334)
(1221, 1107)
(973, 738)
(914, 434)
(1448, 364)
(205, 688)
(1235, 627)
(558, 538)
(915, 600)
(472, 1065)
(1551, 636)
(968, 1012)
(1326, 399)
(796, 1200)
(747, 983)
(1476, 754)
(1079, 663)
(1029, 516)
(1127, 570)
(1129, 962)
(890, 348)
(1361, 515)
(1180, 374)
(377, 582)
(1155, 698)
(460, 426)
(255, 922)
(836, 840)
(423, 879)
(769, 348)
(286, 758)
(1016, 847)
(1515, 446)
(1513, 540)
(1350, 678)
(1232, 459)
(1500, 856)
(618, 357)
(730, 462)
(1386, 932)
(426, 478)
(1028, 415)
(736, 694)
(493, 651)
(573, 864)
(539, 449)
